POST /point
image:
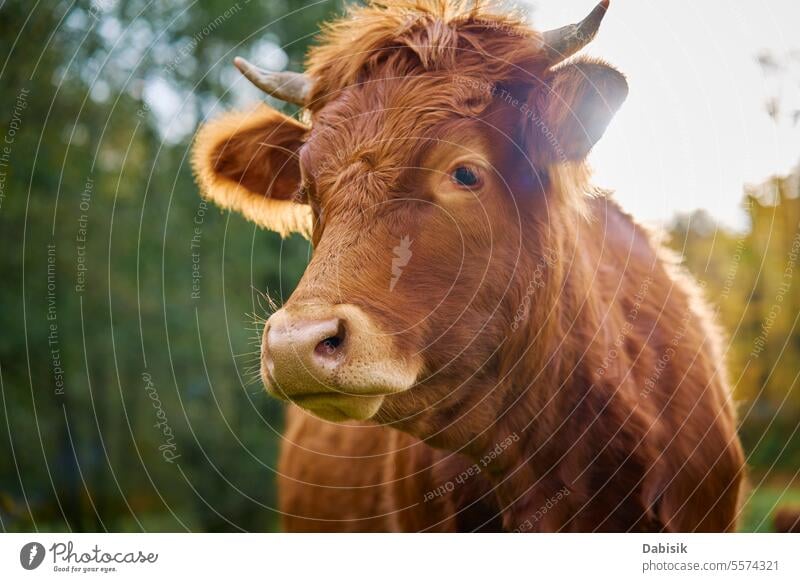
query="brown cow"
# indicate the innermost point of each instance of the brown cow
(482, 340)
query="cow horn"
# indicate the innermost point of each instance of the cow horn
(564, 42)
(285, 85)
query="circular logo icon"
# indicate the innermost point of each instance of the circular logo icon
(31, 555)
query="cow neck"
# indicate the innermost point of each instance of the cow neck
(526, 451)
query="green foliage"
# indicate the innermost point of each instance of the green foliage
(768, 496)
(753, 281)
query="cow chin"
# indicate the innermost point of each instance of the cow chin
(339, 407)
(332, 361)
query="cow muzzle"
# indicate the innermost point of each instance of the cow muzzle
(332, 360)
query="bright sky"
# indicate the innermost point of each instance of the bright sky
(694, 128)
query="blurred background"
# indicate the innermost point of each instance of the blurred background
(129, 397)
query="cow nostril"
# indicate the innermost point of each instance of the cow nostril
(328, 346)
(332, 345)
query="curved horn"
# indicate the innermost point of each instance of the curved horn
(285, 85)
(564, 42)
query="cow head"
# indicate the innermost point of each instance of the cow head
(435, 153)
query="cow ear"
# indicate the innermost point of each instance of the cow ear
(574, 106)
(248, 163)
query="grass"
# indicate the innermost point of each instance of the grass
(765, 498)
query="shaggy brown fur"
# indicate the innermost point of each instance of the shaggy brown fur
(568, 363)
(362, 477)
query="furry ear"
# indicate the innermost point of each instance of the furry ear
(573, 109)
(248, 163)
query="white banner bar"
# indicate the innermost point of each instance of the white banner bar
(401, 557)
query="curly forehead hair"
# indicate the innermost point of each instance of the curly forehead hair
(481, 39)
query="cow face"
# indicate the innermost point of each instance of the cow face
(416, 192)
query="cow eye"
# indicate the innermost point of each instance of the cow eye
(465, 176)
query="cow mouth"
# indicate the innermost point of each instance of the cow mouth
(340, 407)
(333, 404)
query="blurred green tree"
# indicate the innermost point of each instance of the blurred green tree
(753, 278)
